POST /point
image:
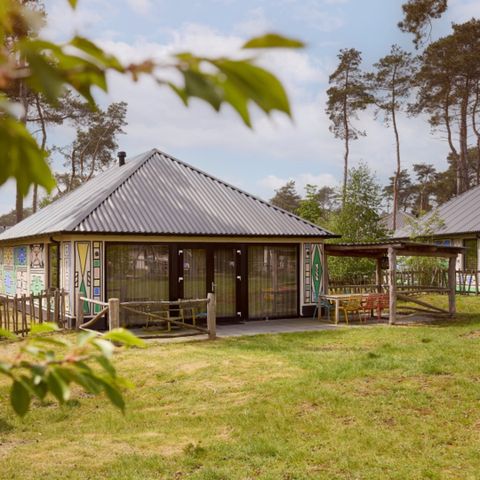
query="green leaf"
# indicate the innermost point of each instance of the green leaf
(104, 346)
(107, 365)
(25, 160)
(19, 398)
(255, 83)
(46, 327)
(58, 387)
(114, 395)
(273, 40)
(120, 335)
(93, 50)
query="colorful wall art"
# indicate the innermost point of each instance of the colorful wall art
(83, 271)
(37, 258)
(312, 272)
(97, 274)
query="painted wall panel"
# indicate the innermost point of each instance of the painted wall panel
(83, 271)
(312, 272)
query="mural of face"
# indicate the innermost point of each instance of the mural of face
(36, 256)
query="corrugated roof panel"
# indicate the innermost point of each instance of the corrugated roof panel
(158, 194)
(459, 215)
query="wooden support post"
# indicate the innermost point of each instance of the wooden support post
(56, 308)
(451, 285)
(325, 274)
(392, 285)
(79, 311)
(378, 275)
(113, 313)
(211, 317)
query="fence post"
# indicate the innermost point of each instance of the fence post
(113, 313)
(79, 311)
(211, 317)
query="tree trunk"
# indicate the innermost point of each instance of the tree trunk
(476, 129)
(44, 144)
(463, 169)
(346, 129)
(397, 142)
(453, 150)
(18, 206)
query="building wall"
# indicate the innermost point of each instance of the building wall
(312, 275)
(23, 268)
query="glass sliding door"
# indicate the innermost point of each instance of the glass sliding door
(136, 272)
(272, 281)
(225, 281)
(194, 273)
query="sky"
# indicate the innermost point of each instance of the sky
(277, 149)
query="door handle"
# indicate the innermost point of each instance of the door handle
(239, 277)
(180, 279)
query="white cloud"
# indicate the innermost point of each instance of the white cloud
(142, 7)
(255, 23)
(316, 16)
(273, 182)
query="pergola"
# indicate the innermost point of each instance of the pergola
(392, 249)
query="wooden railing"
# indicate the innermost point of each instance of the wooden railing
(165, 313)
(19, 312)
(467, 282)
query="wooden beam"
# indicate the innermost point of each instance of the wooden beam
(392, 269)
(452, 285)
(406, 298)
(79, 311)
(378, 275)
(211, 317)
(113, 313)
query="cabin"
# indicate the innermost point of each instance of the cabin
(460, 227)
(155, 228)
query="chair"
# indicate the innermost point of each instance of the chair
(351, 305)
(322, 303)
(383, 303)
(369, 304)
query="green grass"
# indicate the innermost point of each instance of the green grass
(354, 403)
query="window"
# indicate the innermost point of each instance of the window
(272, 281)
(136, 272)
(470, 259)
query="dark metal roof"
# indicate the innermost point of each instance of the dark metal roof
(402, 220)
(155, 193)
(459, 215)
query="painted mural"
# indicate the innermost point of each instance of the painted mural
(312, 272)
(82, 276)
(37, 258)
(97, 274)
(22, 269)
(66, 259)
(20, 256)
(37, 283)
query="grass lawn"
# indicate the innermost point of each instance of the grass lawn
(354, 403)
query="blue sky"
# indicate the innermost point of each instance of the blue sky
(277, 149)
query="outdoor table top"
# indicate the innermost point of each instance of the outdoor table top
(334, 296)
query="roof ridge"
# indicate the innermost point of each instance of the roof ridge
(116, 186)
(239, 190)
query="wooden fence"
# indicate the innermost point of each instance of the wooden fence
(19, 312)
(467, 282)
(182, 314)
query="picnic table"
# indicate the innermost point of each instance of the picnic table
(337, 298)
